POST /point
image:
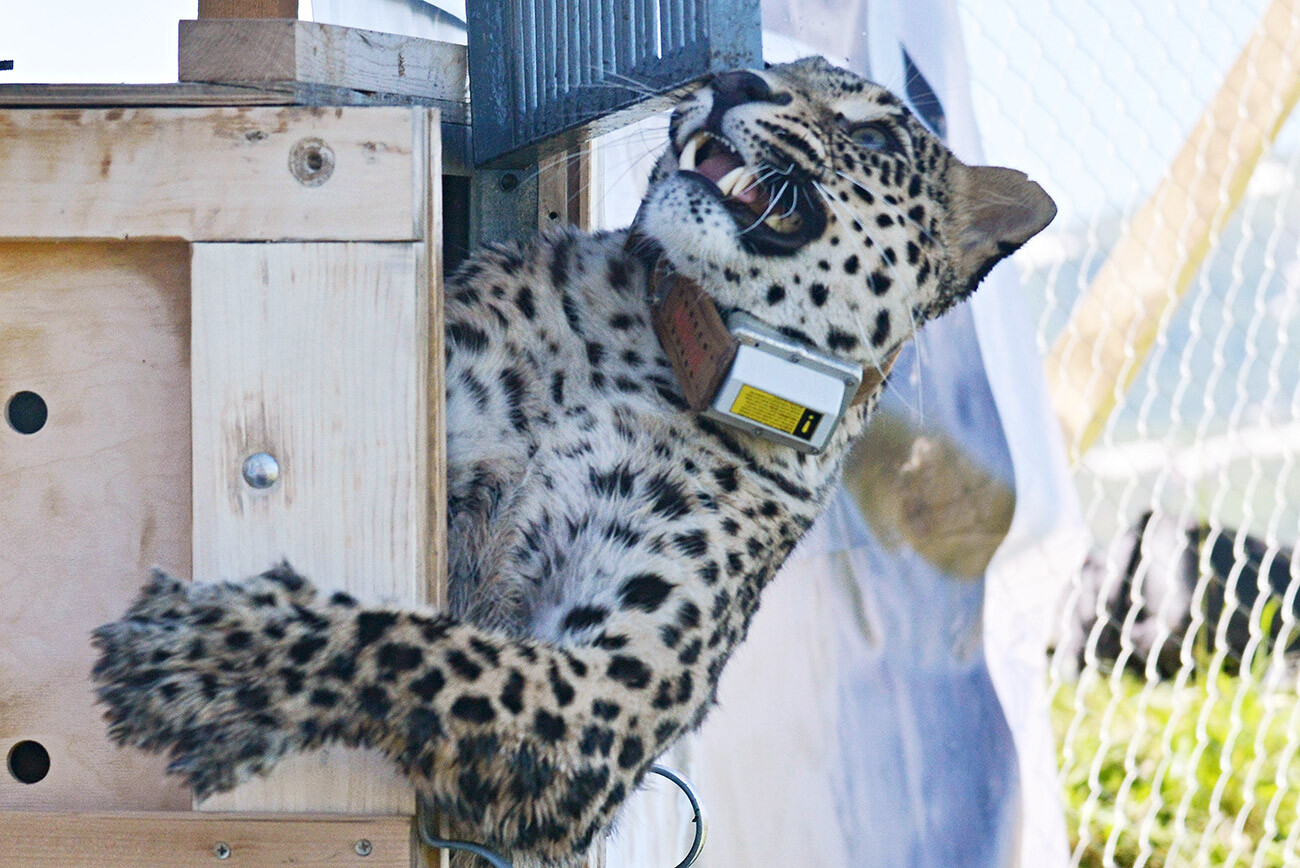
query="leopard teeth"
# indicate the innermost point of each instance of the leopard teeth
(687, 161)
(738, 179)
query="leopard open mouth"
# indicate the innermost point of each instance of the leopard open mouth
(775, 210)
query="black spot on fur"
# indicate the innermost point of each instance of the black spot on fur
(512, 694)
(238, 639)
(851, 264)
(428, 685)
(323, 698)
(305, 648)
(775, 293)
(374, 701)
(596, 740)
(880, 333)
(562, 689)
(582, 617)
(818, 293)
(462, 665)
(725, 477)
(399, 657)
(667, 497)
(631, 752)
(628, 671)
(487, 652)
(837, 339)
(605, 710)
(708, 572)
(371, 626)
(644, 591)
(472, 708)
(879, 282)
(549, 726)
(467, 337)
(524, 301)
(617, 276)
(690, 653)
(619, 480)
(253, 697)
(692, 543)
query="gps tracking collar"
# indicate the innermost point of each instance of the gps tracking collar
(745, 374)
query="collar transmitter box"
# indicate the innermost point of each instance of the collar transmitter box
(745, 374)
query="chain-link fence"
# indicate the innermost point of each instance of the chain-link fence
(1168, 294)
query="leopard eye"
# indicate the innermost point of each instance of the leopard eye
(876, 136)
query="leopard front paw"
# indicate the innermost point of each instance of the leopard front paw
(184, 672)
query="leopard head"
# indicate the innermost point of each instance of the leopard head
(814, 200)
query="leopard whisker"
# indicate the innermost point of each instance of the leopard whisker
(771, 203)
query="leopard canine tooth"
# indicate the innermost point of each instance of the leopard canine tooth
(687, 160)
(738, 179)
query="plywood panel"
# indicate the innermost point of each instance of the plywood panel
(316, 354)
(90, 501)
(191, 840)
(225, 174)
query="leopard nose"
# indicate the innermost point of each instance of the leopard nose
(739, 87)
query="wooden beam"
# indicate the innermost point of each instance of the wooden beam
(1115, 324)
(195, 840)
(244, 52)
(248, 8)
(564, 188)
(312, 353)
(231, 174)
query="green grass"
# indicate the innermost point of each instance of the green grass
(1162, 775)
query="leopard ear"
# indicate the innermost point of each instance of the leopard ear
(994, 211)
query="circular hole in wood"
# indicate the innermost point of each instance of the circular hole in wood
(29, 761)
(26, 412)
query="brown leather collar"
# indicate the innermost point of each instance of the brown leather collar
(701, 347)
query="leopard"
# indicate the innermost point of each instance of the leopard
(607, 545)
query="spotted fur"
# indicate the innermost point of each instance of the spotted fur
(608, 547)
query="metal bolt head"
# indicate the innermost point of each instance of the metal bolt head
(222, 850)
(261, 470)
(509, 181)
(363, 847)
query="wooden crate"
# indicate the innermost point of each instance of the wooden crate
(183, 287)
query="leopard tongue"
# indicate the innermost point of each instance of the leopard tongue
(718, 166)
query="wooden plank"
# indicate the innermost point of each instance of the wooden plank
(207, 174)
(92, 499)
(432, 470)
(194, 839)
(314, 354)
(248, 8)
(304, 51)
(1116, 323)
(564, 187)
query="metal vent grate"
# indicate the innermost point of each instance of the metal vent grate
(542, 67)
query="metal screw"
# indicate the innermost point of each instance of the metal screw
(312, 162)
(222, 850)
(363, 848)
(508, 182)
(261, 470)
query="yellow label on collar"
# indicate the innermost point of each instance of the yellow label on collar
(775, 412)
